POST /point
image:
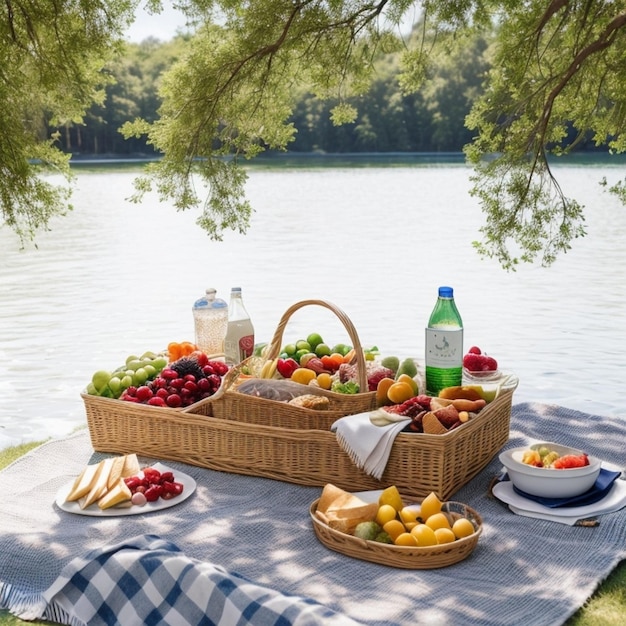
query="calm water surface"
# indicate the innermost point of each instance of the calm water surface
(113, 279)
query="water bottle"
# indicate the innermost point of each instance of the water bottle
(444, 344)
(239, 343)
(210, 316)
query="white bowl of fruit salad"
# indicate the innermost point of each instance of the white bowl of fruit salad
(551, 470)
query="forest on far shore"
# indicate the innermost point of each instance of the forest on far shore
(431, 120)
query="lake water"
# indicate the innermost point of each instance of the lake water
(113, 279)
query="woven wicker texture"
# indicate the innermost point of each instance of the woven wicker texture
(418, 463)
(406, 557)
(253, 410)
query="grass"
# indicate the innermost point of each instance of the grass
(606, 607)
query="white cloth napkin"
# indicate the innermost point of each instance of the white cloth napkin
(368, 438)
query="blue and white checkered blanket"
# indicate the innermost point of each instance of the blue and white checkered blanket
(261, 529)
(148, 581)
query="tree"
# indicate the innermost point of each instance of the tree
(51, 58)
(557, 67)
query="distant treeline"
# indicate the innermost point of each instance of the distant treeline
(431, 120)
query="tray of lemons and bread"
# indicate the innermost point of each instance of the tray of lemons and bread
(387, 528)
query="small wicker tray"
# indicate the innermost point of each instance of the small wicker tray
(229, 404)
(406, 557)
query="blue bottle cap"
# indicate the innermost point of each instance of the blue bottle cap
(446, 292)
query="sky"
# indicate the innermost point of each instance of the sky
(162, 26)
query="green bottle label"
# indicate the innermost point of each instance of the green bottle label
(444, 358)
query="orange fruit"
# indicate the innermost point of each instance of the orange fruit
(400, 392)
(174, 351)
(405, 378)
(382, 389)
(186, 348)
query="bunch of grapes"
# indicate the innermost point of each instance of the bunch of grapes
(182, 383)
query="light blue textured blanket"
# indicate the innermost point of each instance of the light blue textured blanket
(523, 570)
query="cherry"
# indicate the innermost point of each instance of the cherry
(144, 393)
(173, 401)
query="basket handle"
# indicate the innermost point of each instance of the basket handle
(273, 349)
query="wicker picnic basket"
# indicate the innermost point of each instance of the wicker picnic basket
(406, 557)
(418, 463)
(231, 404)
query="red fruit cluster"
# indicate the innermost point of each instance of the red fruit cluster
(476, 361)
(570, 461)
(173, 390)
(375, 373)
(154, 485)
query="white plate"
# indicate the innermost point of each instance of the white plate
(188, 483)
(613, 501)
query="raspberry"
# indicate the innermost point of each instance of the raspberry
(473, 362)
(474, 350)
(490, 364)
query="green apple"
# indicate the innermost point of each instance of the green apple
(100, 379)
(140, 377)
(115, 384)
(127, 381)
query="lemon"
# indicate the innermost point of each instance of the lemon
(394, 528)
(385, 513)
(463, 528)
(324, 380)
(431, 504)
(425, 535)
(303, 375)
(405, 539)
(408, 515)
(391, 496)
(438, 520)
(444, 535)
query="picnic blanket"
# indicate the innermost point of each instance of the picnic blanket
(148, 580)
(259, 530)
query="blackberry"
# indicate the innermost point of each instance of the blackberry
(186, 365)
